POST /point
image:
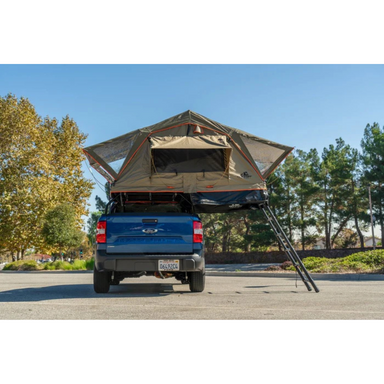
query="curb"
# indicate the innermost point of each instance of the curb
(293, 275)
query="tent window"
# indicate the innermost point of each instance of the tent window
(264, 155)
(115, 152)
(188, 160)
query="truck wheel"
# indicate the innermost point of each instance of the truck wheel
(101, 281)
(197, 281)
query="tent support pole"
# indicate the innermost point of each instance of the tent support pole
(287, 246)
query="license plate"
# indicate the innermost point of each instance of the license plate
(169, 265)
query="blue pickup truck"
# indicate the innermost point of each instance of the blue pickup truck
(162, 244)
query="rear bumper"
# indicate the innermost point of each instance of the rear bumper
(147, 263)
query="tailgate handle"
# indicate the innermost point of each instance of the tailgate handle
(150, 221)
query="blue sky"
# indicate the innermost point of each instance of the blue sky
(304, 106)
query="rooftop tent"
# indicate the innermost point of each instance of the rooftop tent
(189, 163)
(217, 166)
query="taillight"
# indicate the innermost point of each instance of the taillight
(101, 232)
(197, 232)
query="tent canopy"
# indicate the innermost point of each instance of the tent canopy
(187, 153)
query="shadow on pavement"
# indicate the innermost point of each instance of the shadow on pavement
(83, 291)
(257, 286)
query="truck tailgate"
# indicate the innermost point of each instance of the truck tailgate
(132, 233)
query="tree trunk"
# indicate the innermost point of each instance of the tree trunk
(361, 237)
(278, 242)
(327, 225)
(302, 225)
(289, 217)
(381, 221)
(341, 227)
(327, 239)
(355, 212)
(247, 231)
(327, 232)
(224, 244)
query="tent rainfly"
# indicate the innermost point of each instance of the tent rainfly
(215, 167)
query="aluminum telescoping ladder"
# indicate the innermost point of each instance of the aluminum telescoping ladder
(287, 246)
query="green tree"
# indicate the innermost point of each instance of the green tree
(92, 223)
(94, 216)
(225, 232)
(100, 203)
(359, 197)
(229, 225)
(346, 239)
(276, 201)
(299, 171)
(71, 186)
(212, 233)
(282, 196)
(372, 146)
(60, 230)
(333, 175)
(260, 235)
(85, 247)
(40, 167)
(24, 173)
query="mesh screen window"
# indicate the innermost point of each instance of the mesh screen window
(188, 160)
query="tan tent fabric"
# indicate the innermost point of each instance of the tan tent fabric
(213, 158)
(182, 142)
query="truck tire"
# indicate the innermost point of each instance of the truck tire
(101, 281)
(197, 281)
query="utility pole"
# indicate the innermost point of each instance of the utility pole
(370, 207)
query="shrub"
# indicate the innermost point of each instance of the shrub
(374, 259)
(11, 266)
(89, 264)
(369, 261)
(29, 265)
(79, 265)
(22, 265)
(355, 266)
(315, 264)
(58, 265)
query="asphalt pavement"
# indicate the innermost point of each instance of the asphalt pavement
(250, 295)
